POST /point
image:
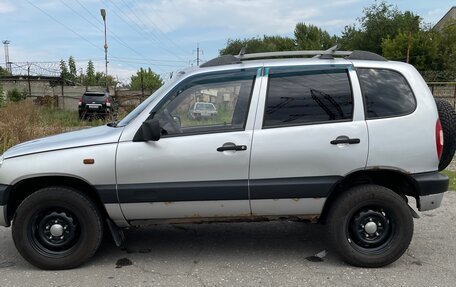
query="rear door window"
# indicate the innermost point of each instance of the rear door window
(386, 93)
(93, 98)
(307, 97)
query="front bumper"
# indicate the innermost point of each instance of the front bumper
(4, 195)
(3, 216)
(431, 187)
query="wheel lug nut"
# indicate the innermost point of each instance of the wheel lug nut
(370, 219)
(376, 233)
(47, 226)
(56, 221)
(61, 237)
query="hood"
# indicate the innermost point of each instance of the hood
(85, 137)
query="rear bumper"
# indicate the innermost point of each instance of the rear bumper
(430, 186)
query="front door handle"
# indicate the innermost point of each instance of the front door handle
(345, 140)
(234, 147)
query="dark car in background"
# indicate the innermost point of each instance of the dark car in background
(96, 105)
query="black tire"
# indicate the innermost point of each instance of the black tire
(348, 221)
(51, 211)
(447, 117)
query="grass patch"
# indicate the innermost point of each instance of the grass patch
(452, 176)
(23, 121)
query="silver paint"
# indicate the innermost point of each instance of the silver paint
(287, 206)
(56, 230)
(370, 227)
(186, 209)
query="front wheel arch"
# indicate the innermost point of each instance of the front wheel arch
(28, 186)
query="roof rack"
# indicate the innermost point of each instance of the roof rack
(322, 54)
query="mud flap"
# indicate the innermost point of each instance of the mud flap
(117, 233)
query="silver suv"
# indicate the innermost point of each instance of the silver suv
(342, 141)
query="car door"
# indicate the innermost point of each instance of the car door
(310, 132)
(199, 167)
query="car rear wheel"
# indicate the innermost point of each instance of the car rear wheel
(370, 226)
(57, 228)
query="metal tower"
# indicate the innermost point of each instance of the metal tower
(7, 61)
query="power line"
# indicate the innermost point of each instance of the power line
(114, 35)
(66, 27)
(149, 59)
(141, 30)
(143, 63)
(153, 24)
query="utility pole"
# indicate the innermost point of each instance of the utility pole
(28, 79)
(197, 54)
(142, 85)
(103, 14)
(7, 61)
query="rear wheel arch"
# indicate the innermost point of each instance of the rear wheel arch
(28, 186)
(399, 182)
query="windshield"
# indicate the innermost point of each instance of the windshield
(139, 109)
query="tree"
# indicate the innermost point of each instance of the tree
(421, 49)
(305, 37)
(72, 69)
(63, 70)
(100, 79)
(380, 21)
(90, 74)
(4, 72)
(448, 46)
(150, 80)
(2, 99)
(257, 44)
(310, 37)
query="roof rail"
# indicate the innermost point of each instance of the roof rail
(322, 54)
(331, 51)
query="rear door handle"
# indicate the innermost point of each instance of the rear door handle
(226, 147)
(345, 140)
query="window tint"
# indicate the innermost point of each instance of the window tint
(214, 103)
(386, 93)
(304, 97)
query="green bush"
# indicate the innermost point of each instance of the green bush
(15, 96)
(2, 99)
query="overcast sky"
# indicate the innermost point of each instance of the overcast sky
(163, 34)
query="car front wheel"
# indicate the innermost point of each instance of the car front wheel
(370, 226)
(57, 228)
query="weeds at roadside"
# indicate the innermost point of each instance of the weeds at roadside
(23, 121)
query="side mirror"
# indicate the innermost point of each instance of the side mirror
(150, 131)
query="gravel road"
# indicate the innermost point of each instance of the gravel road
(245, 254)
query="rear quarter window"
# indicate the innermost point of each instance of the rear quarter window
(386, 93)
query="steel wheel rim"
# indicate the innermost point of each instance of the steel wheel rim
(371, 230)
(54, 232)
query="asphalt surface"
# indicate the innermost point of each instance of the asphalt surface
(245, 254)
